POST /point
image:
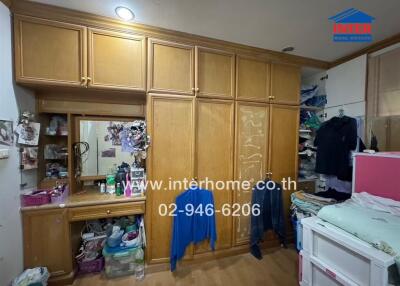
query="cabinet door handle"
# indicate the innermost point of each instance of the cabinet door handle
(197, 89)
(83, 80)
(89, 79)
(108, 212)
(271, 97)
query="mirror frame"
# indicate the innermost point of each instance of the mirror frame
(78, 120)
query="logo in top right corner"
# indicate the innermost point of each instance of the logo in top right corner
(352, 25)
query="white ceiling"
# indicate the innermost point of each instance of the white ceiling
(270, 24)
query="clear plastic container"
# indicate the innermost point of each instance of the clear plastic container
(120, 262)
(139, 261)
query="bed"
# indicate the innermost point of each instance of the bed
(341, 245)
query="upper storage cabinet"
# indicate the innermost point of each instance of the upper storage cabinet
(215, 73)
(285, 84)
(252, 79)
(116, 60)
(170, 67)
(49, 52)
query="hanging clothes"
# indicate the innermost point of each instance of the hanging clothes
(271, 215)
(191, 226)
(335, 139)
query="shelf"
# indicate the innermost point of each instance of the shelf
(314, 108)
(56, 135)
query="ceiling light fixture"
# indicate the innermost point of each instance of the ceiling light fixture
(124, 13)
(288, 49)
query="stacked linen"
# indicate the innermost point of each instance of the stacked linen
(305, 204)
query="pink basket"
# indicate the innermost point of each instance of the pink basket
(93, 266)
(37, 198)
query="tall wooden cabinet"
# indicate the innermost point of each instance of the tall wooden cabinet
(171, 157)
(214, 160)
(251, 157)
(48, 248)
(283, 151)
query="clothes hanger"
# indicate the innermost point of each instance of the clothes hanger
(341, 112)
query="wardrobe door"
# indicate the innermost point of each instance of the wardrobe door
(252, 79)
(250, 158)
(116, 60)
(171, 126)
(285, 84)
(49, 52)
(283, 149)
(215, 73)
(214, 161)
(171, 68)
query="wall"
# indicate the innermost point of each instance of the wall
(12, 99)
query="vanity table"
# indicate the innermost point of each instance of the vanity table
(52, 232)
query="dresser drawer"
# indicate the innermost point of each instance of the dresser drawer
(106, 210)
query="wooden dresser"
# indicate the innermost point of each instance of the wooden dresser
(52, 232)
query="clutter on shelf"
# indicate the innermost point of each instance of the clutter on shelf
(126, 180)
(58, 125)
(115, 245)
(56, 170)
(309, 123)
(55, 152)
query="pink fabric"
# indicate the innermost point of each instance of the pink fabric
(378, 175)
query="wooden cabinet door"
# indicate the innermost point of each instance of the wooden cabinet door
(250, 158)
(171, 158)
(215, 73)
(171, 68)
(116, 60)
(49, 52)
(252, 79)
(214, 161)
(285, 84)
(47, 241)
(283, 147)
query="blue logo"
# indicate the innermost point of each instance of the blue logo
(352, 25)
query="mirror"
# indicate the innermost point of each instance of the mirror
(105, 151)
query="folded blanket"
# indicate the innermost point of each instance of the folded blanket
(379, 228)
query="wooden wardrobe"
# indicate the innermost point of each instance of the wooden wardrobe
(216, 115)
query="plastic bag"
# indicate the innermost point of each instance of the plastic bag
(34, 276)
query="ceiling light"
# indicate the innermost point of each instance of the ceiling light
(288, 49)
(124, 13)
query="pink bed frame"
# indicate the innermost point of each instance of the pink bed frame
(377, 174)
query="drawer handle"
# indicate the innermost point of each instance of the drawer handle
(108, 212)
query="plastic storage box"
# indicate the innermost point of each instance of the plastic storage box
(119, 262)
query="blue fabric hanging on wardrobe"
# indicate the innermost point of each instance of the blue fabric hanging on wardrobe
(192, 228)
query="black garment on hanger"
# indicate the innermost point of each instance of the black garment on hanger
(334, 140)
